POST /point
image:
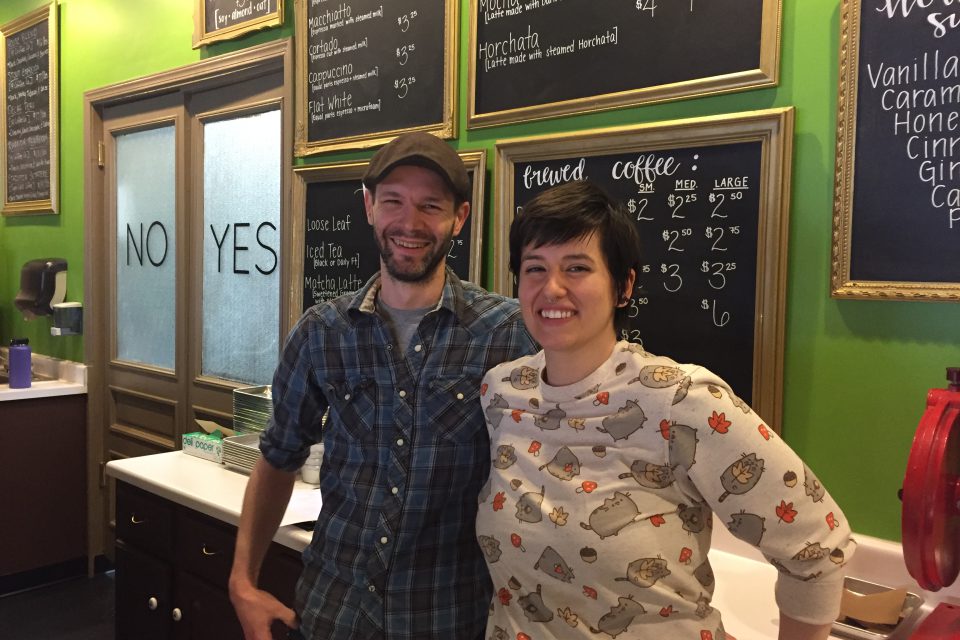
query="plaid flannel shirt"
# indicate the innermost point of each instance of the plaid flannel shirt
(394, 551)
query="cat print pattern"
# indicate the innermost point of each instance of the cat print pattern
(603, 494)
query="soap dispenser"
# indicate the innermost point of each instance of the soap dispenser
(43, 283)
(19, 361)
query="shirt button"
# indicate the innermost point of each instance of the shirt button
(371, 588)
(383, 540)
(418, 348)
(394, 491)
(459, 396)
(399, 442)
(403, 394)
(346, 396)
(389, 348)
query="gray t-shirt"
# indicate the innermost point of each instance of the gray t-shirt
(403, 322)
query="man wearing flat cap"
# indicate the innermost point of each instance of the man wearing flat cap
(398, 364)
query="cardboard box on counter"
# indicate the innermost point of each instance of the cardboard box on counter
(203, 445)
(207, 444)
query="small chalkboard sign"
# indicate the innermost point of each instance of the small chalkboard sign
(896, 229)
(336, 250)
(370, 70)
(710, 199)
(30, 109)
(215, 20)
(533, 59)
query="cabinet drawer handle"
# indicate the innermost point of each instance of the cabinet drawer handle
(152, 603)
(205, 552)
(176, 615)
(133, 519)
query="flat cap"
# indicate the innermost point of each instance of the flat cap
(423, 150)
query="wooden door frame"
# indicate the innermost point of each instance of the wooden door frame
(206, 392)
(276, 56)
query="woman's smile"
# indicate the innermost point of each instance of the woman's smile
(556, 314)
(567, 299)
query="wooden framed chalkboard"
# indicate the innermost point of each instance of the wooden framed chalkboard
(896, 216)
(532, 59)
(215, 20)
(710, 197)
(370, 70)
(30, 104)
(336, 252)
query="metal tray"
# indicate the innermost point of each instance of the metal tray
(847, 628)
(251, 409)
(242, 452)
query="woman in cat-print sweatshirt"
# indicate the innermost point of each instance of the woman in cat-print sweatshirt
(610, 466)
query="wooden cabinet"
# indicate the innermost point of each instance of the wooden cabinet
(43, 527)
(144, 600)
(172, 566)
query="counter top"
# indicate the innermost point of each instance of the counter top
(214, 490)
(744, 577)
(68, 378)
(744, 583)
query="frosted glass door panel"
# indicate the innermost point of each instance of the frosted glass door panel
(241, 247)
(146, 251)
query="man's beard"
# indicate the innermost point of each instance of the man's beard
(413, 271)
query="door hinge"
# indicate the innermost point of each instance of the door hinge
(103, 474)
(101, 152)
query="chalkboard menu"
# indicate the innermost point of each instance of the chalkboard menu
(709, 200)
(370, 70)
(534, 59)
(337, 250)
(215, 20)
(897, 201)
(30, 113)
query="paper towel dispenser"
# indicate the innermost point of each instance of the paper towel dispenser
(43, 283)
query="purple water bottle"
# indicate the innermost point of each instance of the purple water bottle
(19, 363)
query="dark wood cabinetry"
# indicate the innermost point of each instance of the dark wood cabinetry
(43, 527)
(172, 569)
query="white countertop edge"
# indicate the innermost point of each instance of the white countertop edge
(206, 507)
(876, 560)
(220, 495)
(70, 379)
(42, 389)
(293, 537)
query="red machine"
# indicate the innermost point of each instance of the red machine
(931, 506)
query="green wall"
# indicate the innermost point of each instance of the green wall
(856, 372)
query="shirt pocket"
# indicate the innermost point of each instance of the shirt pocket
(455, 408)
(353, 407)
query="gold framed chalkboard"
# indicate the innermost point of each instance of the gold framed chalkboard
(30, 107)
(711, 199)
(534, 59)
(369, 71)
(334, 251)
(896, 209)
(215, 20)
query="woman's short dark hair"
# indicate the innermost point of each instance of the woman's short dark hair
(577, 210)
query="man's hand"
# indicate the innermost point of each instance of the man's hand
(257, 610)
(264, 501)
